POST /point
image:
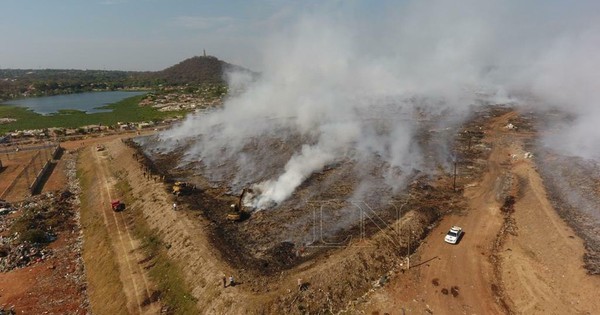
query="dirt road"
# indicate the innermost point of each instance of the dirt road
(457, 279)
(491, 274)
(188, 244)
(136, 286)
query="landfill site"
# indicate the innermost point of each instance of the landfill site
(120, 223)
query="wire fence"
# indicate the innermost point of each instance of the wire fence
(32, 173)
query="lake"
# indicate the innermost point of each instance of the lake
(88, 102)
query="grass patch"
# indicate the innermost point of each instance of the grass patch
(163, 271)
(126, 110)
(102, 270)
(34, 236)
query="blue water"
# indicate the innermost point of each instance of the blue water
(86, 102)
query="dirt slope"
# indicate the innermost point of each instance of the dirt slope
(186, 245)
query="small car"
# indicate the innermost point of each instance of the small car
(453, 235)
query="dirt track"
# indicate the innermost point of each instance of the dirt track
(506, 262)
(187, 245)
(135, 283)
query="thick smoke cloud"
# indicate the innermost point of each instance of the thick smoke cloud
(567, 76)
(356, 90)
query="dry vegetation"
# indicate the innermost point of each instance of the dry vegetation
(105, 288)
(172, 290)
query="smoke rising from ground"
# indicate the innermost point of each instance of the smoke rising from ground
(357, 90)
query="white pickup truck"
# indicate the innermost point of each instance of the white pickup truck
(453, 235)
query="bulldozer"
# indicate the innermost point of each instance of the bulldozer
(237, 209)
(182, 188)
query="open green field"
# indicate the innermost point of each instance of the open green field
(126, 110)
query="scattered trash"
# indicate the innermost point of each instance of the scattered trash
(22, 255)
(5, 211)
(381, 282)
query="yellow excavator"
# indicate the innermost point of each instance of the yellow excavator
(237, 209)
(181, 188)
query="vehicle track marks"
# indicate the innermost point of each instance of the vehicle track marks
(135, 283)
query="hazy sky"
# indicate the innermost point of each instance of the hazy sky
(149, 34)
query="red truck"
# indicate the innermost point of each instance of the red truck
(117, 205)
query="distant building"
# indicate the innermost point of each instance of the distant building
(145, 124)
(94, 128)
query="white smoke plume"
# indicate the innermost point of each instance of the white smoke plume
(352, 89)
(298, 168)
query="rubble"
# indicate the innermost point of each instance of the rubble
(178, 100)
(79, 276)
(22, 255)
(23, 237)
(40, 218)
(10, 311)
(15, 250)
(6, 208)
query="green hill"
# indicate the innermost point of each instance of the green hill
(196, 70)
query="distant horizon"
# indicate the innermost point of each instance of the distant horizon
(90, 69)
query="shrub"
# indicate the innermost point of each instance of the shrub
(34, 236)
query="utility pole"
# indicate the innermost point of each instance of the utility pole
(470, 137)
(454, 183)
(408, 251)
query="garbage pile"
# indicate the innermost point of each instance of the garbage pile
(6, 208)
(22, 255)
(24, 235)
(5, 223)
(77, 247)
(10, 311)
